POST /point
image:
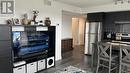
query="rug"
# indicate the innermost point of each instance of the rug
(72, 69)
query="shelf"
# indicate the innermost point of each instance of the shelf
(31, 25)
(35, 40)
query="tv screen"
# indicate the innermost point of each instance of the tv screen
(26, 43)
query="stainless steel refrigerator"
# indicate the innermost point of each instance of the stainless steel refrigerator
(92, 35)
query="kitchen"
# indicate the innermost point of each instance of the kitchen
(109, 33)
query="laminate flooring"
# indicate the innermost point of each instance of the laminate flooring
(74, 58)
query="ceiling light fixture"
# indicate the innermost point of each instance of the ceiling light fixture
(121, 1)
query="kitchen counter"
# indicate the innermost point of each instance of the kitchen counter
(119, 43)
(115, 46)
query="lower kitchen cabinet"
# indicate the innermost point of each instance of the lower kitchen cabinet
(32, 67)
(41, 64)
(21, 69)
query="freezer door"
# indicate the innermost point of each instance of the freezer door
(92, 39)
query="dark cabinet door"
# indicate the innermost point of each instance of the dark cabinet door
(5, 32)
(95, 17)
(122, 16)
(112, 17)
(109, 22)
(6, 57)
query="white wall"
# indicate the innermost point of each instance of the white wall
(66, 26)
(54, 12)
(107, 8)
(67, 23)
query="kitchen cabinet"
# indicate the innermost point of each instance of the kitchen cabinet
(95, 17)
(111, 19)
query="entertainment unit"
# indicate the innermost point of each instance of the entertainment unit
(35, 46)
(26, 49)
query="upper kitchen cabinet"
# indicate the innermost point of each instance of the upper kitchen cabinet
(112, 19)
(122, 16)
(109, 22)
(96, 17)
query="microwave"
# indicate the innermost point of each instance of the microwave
(123, 36)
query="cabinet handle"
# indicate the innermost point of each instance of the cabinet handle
(19, 68)
(31, 64)
(41, 61)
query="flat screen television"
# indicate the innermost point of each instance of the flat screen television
(29, 43)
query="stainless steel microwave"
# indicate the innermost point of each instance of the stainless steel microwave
(123, 36)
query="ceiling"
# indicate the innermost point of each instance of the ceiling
(85, 3)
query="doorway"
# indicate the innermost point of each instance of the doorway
(73, 30)
(78, 31)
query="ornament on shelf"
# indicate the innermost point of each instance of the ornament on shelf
(47, 21)
(13, 21)
(25, 20)
(35, 14)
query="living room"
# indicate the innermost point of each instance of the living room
(23, 22)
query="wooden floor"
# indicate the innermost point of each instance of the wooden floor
(74, 58)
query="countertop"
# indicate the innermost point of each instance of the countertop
(120, 43)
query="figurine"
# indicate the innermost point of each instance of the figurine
(47, 21)
(25, 19)
(35, 14)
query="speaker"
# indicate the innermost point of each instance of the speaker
(50, 62)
